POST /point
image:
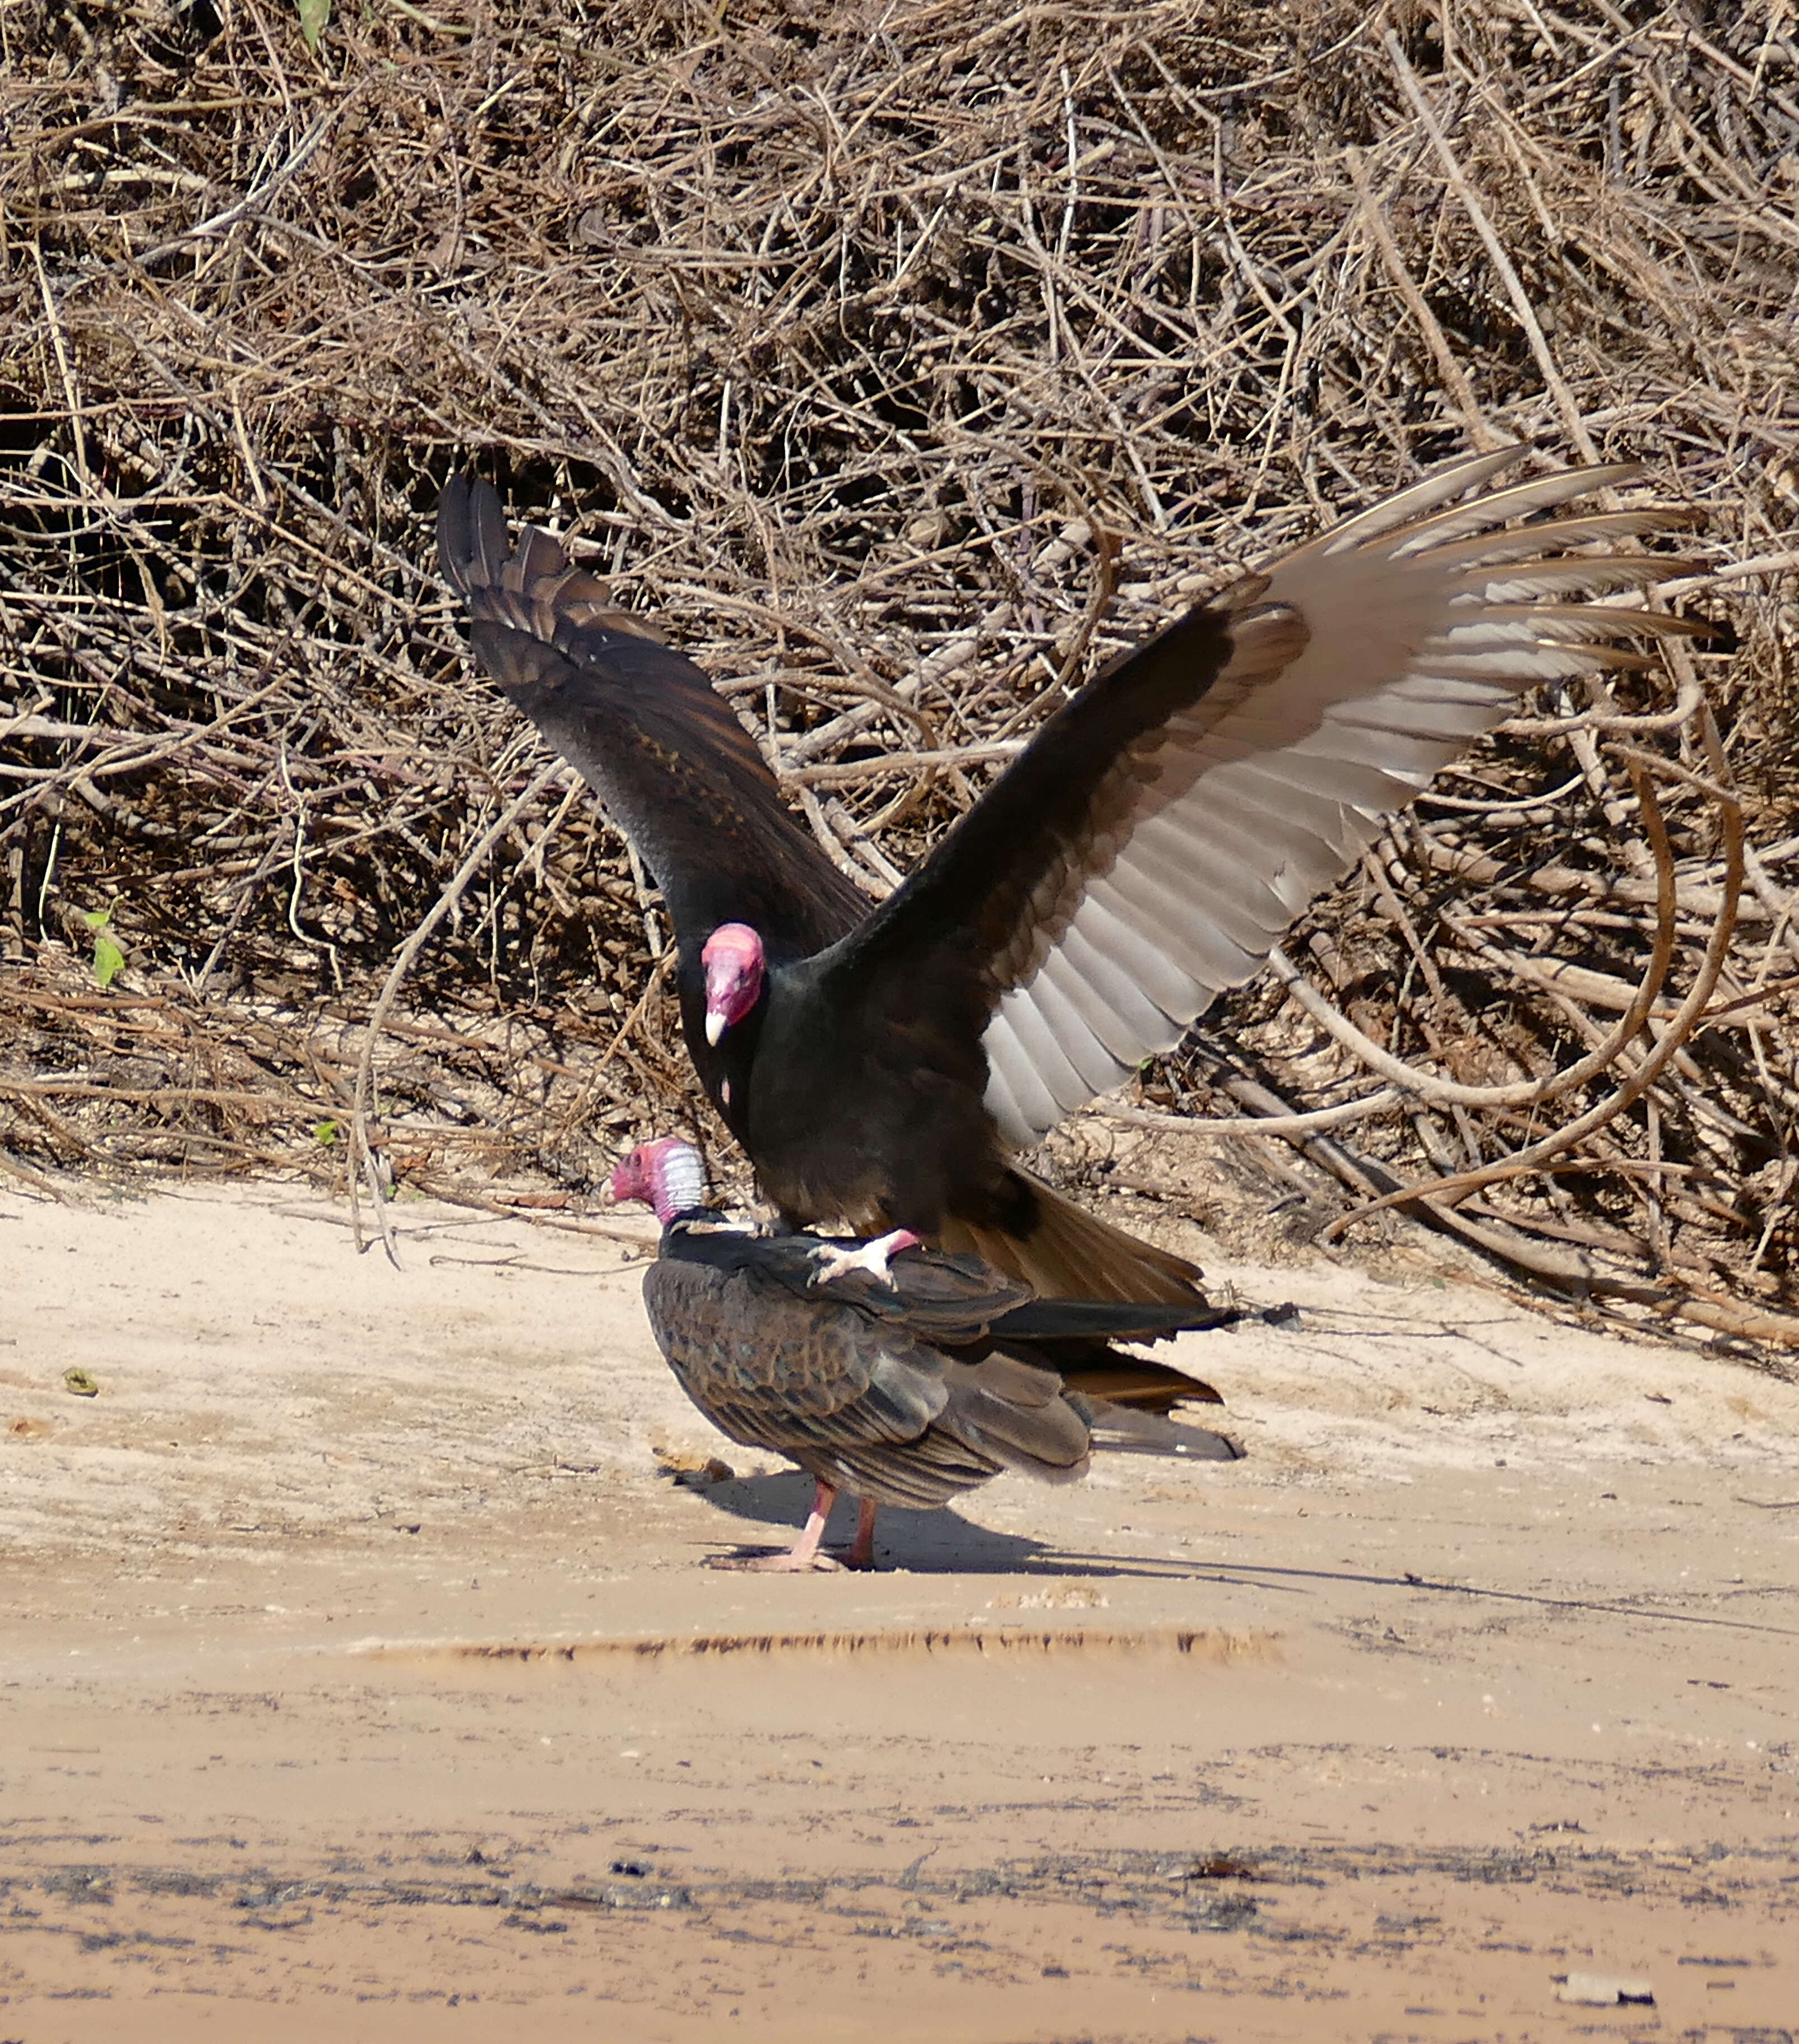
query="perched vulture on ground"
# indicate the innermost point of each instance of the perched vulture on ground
(1145, 851)
(898, 1374)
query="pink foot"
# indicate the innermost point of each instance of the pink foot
(872, 1257)
(805, 1554)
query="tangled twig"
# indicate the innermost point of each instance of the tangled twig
(901, 379)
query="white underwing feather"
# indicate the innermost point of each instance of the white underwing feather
(1168, 987)
(1096, 1068)
(1119, 977)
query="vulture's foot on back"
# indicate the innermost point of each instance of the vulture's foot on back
(832, 1263)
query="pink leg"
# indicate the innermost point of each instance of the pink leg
(860, 1552)
(804, 1554)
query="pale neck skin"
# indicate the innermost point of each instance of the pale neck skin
(676, 1180)
(667, 1175)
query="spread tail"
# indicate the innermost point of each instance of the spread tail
(1121, 1379)
(1063, 1252)
(1124, 1429)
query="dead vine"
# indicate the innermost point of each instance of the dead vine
(900, 374)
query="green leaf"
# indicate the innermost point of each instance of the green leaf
(324, 1133)
(313, 15)
(109, 960)
(97, 919)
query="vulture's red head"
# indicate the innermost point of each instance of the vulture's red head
(735, 969)
(666, 1175)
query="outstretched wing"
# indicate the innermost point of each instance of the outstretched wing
(1150, 846)
(665, 753)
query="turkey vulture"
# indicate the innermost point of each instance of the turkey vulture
(897, 1373)
(1145, 851)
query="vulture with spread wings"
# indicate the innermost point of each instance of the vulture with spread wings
(900, 1376)
(1144, 852)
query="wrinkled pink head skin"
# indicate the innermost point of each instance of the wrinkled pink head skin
(666, 1175)
(735, 969)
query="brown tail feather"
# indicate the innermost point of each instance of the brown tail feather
(1066, 1253)
(1141, 1386)
(1069, 1253)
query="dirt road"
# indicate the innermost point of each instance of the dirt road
(362, 1677)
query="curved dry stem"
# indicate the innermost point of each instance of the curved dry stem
(1687, 704)
(1681, 1025)
(1209, 1126)
(1525, 1093)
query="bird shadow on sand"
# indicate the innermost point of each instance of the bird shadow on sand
(941, 1543)
(924, 1543)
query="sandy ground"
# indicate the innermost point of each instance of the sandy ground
(362, 1677)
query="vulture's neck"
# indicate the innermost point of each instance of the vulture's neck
(677, 1186)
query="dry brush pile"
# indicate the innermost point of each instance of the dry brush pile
(899, 360)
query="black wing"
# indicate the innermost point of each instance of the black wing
(1150, 846)
(864, 1402)
(676, 769)
(1099, 1320)
(961, 1302)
